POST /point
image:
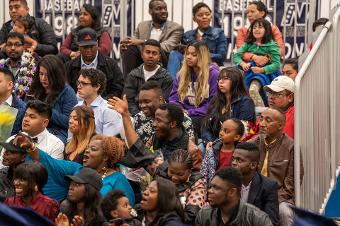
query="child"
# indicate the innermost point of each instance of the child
(117, 209)
(219, 155)
(22, 26)
(260, 42)
(232, 101)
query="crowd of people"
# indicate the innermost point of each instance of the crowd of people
(173, 138)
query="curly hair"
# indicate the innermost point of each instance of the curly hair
(113, 147)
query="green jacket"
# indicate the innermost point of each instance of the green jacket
(269, 48)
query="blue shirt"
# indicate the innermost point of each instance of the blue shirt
(117, 181)
(93, 64)
(108, 122)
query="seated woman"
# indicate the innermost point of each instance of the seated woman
(83, 206)
(195, 84)
(49, 86)
(89, 17)
(82, 128)
(213, 37)
(232, 101)
(258, 10)
(190, 183)
(160, 204)
(102, 154)
(101, 150)
(29, 178)
(260, 41)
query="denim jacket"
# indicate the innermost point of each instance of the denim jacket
(215, 40)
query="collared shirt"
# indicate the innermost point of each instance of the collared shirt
(156, 32)
(50, 144)
(93, 64)
(9, 101)
(108, 122)
(245, 192)
(41, 204)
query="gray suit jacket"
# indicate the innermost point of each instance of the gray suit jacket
(171, 35)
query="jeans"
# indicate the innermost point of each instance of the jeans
(174, 63)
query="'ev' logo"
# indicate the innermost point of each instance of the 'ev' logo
(294, 10)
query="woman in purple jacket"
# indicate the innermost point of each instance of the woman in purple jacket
(196, 83)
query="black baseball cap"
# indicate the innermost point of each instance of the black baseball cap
(9, 146)
(87, 176)
(87, 37)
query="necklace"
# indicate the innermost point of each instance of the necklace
(105, 172)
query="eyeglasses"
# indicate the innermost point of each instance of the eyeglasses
(16, 45)
(82, 84)
(224, 78)
(276, 95)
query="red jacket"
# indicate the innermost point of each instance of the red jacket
(289, 127)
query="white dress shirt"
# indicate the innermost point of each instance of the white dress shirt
(108, 121)
(47, 142)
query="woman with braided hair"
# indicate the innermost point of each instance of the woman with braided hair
(102, 154)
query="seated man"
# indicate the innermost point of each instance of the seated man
(34, 123)
(150, 98)
(8, 98)
(91, 84)
(13, 156)
(256, 189)
(168, 33)
(90, 57)
(41, 31)
(150, 70)
(14, 48)
(280, 94)
(225, 206)
(277, 159)
(169, 136)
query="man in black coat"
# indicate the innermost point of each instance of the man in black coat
(256, 189)
(41, 31)
(90, 57)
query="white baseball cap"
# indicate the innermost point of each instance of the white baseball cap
(280, 84)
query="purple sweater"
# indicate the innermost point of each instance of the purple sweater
(201, 110)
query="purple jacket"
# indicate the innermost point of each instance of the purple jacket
(201, 110)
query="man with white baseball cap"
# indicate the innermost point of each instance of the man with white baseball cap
(281, 95)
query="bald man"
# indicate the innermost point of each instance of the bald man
(256, 189)
(277, 159)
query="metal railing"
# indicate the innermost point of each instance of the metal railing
(317, 105)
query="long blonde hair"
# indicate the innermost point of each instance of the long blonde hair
(202, 88)
(87, 128)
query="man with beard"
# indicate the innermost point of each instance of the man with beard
(150, 98)
(41, 31)
(225, 206)
(169, 136)
(90, 57)
(14, 48)
(168, 33)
